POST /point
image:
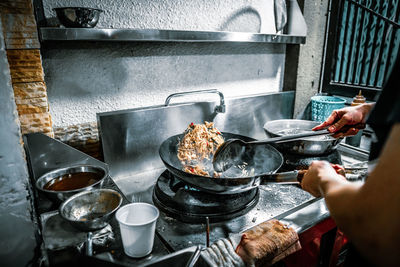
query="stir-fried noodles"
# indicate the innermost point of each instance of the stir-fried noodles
(197, 147)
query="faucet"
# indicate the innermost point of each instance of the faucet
(218, 109)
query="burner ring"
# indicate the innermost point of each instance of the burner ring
(201, 218)
(188, 204)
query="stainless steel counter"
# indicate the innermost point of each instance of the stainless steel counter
(61, 242)
(131, 139)
(131, 149)
(289, 204)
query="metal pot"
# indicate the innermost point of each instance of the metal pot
(60, 196)
(91, 210)
(310, 146)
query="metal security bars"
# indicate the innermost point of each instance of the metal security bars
(361, 46)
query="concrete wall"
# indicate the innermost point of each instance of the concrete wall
(310, 59)
(82, 81)
(84, 78)
(17, 238)
(222, 15)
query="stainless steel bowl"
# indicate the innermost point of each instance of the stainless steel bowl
(78, 17)
(91, 210)
(60, 196)
(310, 146)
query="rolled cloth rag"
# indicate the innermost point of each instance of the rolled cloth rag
(222, 253)
(262, 245)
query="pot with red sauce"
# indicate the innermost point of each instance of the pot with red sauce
(60, 184)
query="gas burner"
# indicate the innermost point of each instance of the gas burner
(189, 204)
(297, 162)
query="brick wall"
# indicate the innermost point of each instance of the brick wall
(25, 63)
(84, 137)
(23, 53)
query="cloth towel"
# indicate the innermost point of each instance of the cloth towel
(262, 245)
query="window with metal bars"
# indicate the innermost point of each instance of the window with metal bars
(361, 46)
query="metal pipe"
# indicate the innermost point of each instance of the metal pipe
(207, 232)
(218, 109)
(89, 244)
(195, 256)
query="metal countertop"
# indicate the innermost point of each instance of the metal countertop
(289, 204)
(59, 238)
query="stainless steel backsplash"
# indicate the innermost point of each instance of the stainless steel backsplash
(131, 138)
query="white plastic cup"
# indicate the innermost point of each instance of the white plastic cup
(137, 222)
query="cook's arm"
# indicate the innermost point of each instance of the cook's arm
(368, 214)
(346, 116)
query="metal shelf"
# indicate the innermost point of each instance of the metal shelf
(123, 35)
(296, 31)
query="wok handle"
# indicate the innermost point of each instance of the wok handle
(291, 137)
(291, 177)
(286, 138)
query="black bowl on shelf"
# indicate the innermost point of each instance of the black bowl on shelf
(78, 17)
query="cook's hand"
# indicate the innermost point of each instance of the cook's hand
(345, 116)
(318, 173)
(339, 169)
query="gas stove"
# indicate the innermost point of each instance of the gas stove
(287, 203)
(191, 205)
(184, 209)
(269, 201)
(131, 141)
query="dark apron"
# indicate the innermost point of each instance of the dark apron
(386, 111)
(382, 118)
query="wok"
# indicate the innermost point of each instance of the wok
(265, 161)
(310, 146)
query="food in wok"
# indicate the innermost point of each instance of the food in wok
(264, 161)
(197, 147)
